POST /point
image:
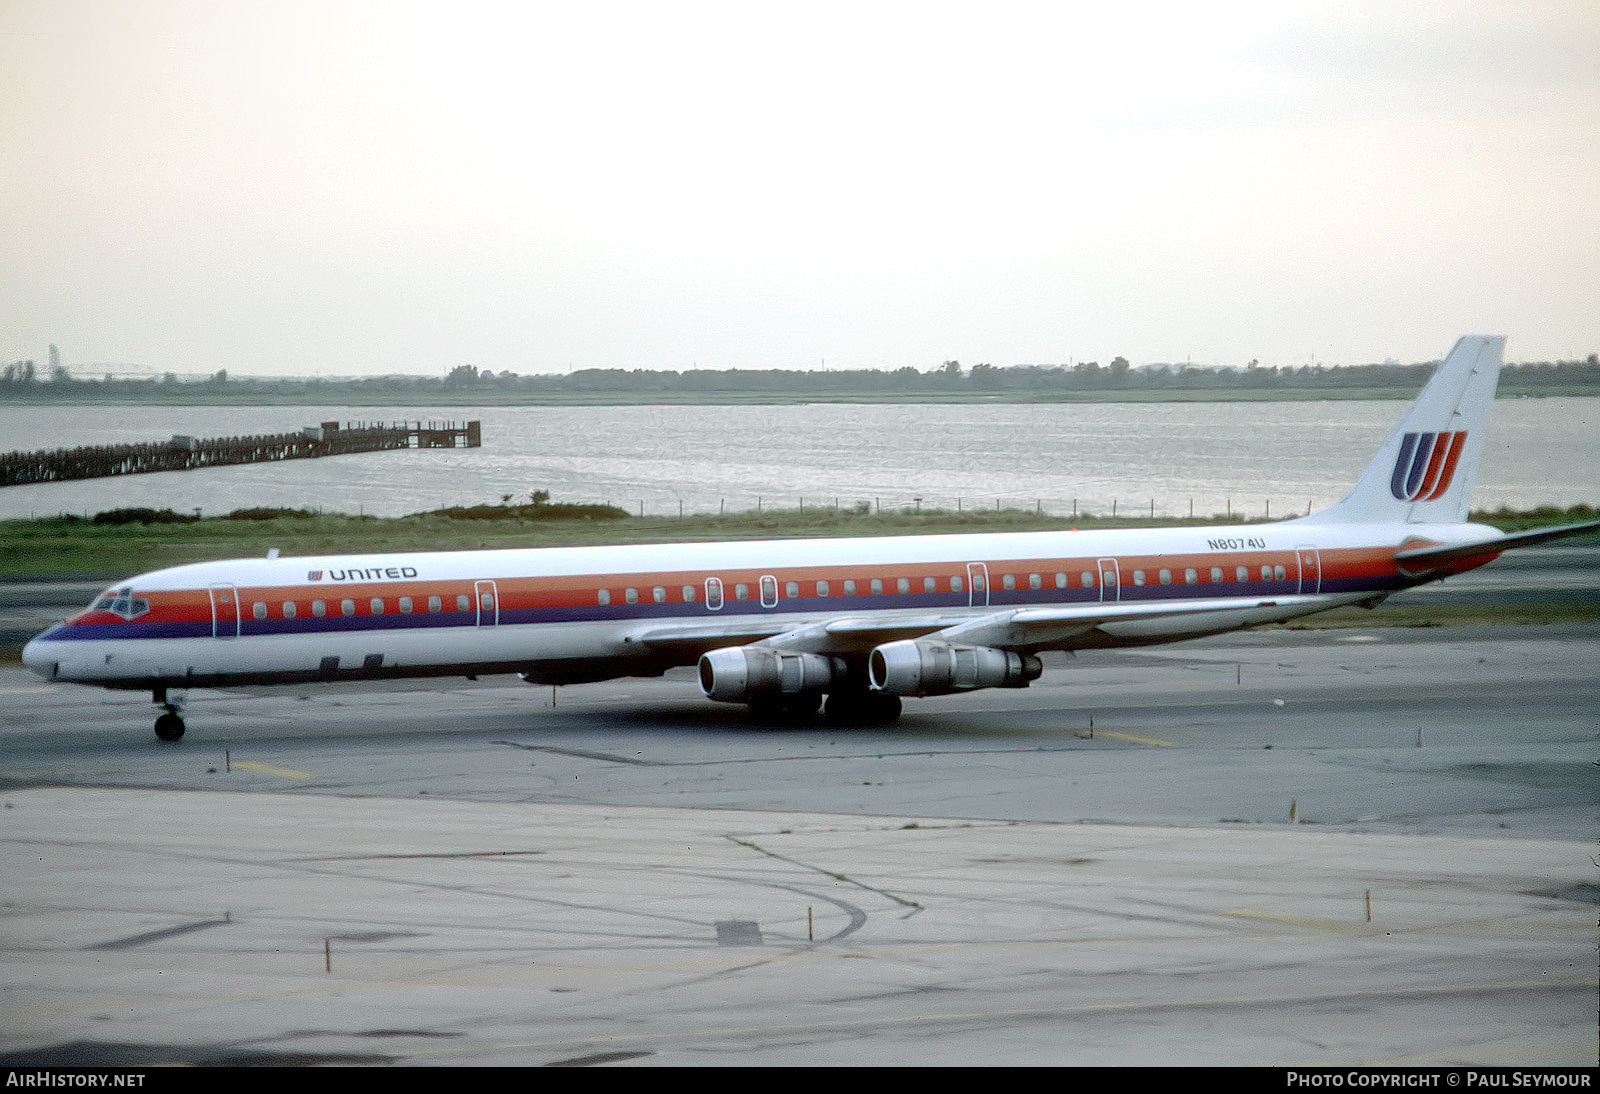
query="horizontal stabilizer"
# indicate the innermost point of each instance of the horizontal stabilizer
(1430, 557)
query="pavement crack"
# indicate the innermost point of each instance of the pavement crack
(158, 935)
(585, 754)
(835, 875)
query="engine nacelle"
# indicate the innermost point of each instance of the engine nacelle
(748, 674)
(931, 667)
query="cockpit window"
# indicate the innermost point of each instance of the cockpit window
(121, 602)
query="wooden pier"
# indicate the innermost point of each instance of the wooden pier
(187, 453)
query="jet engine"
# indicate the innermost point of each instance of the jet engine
(751, 674)
(930, 667)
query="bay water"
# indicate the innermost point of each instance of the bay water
(1169, 459)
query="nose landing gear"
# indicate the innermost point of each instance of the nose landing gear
(169, 725)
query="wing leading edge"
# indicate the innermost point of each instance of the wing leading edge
(1024, 630)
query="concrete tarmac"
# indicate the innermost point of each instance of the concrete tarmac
(626, 873)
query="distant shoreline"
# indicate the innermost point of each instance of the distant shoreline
(503, 399)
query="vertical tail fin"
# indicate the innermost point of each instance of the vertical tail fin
(1425, 471)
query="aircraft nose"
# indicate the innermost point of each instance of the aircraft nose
(38, 658)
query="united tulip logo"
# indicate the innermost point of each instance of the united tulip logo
(1426, 464)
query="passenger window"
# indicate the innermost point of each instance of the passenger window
(1008, 581)
(434, 604)
(1166, 576)
(462, 603)
(1061, 581)
(347, 607)
(688, 594)
(741, 591)
(1279, 572)
(1241, 573)
(405, 605)
(977, 583)
(1087, 578)
(822, 588)
(849, 586)
(1190, 576)
(659, 594)
(955, 584)
(1216, 573)
(929, 585)
(376, 605)
(486, 602)
(1138, 577)
(288, 609)
(903, 585)
(259, 610)
(604, 596)
(631, 595)
(319, 608)
(1035, 581)
(877, 586)
(791, 589)
(1266, 573)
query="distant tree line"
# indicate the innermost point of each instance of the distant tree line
(21, 379)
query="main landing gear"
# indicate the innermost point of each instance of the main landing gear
(862, 708)
(845, 707)
(851, 707)
(169, 726)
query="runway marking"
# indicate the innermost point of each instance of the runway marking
(1156, 741)
(268, 769)
(1295, 921)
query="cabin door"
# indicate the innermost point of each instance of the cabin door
(1310, 569)
(488, 597)
(224, 611)
(977, 585)
(1110, 581)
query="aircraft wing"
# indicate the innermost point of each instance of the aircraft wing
(839, 636)
(1020, 629)
(1070, 626)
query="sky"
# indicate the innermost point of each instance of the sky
(345, 188)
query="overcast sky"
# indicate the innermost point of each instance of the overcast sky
(334, 187)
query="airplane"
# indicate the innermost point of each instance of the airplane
(851, 626)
